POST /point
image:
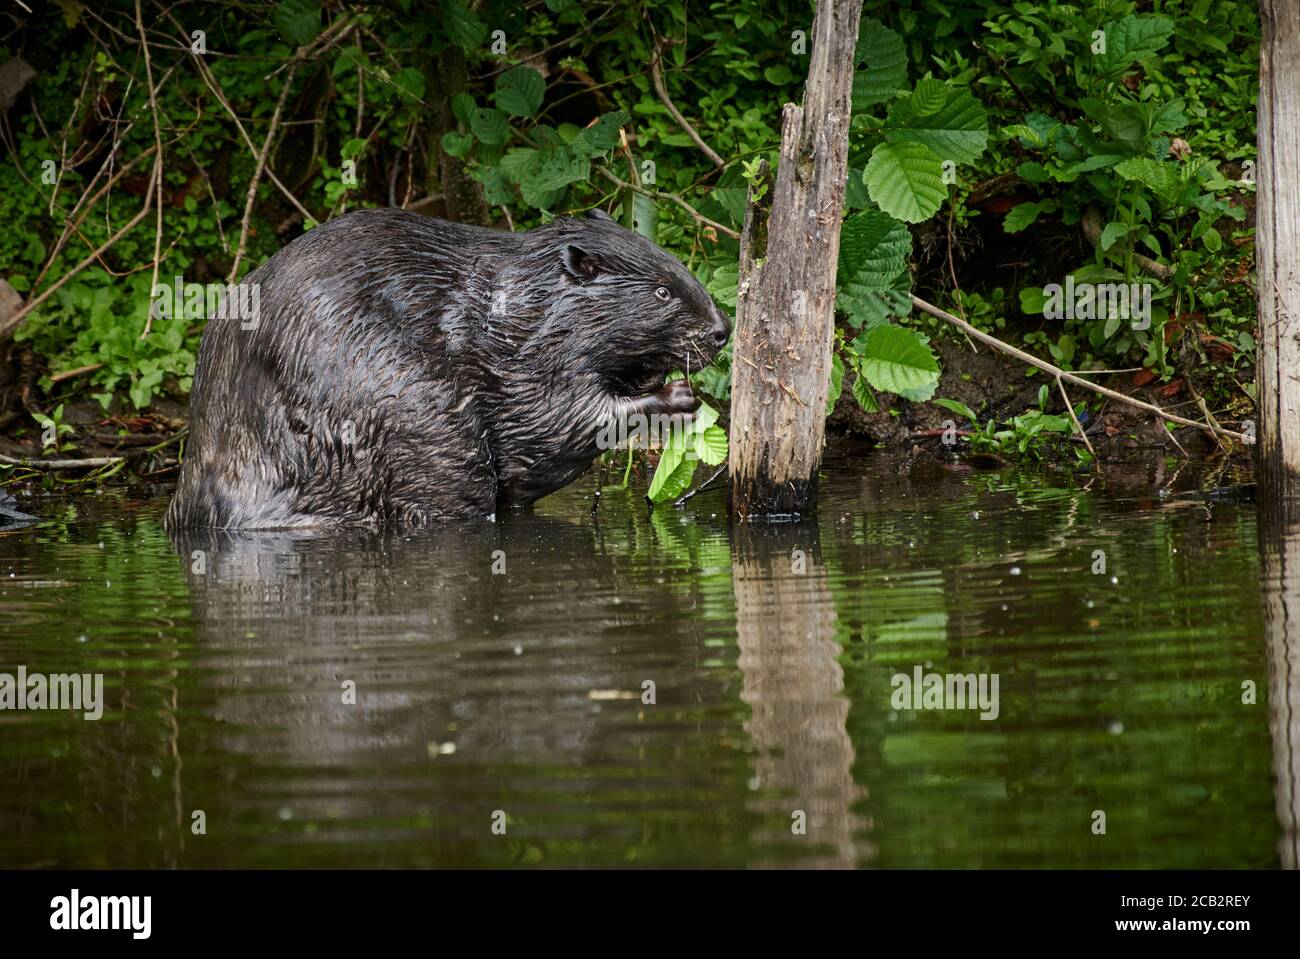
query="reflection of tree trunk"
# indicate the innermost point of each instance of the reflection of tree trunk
(795, 686)
(1281, 555)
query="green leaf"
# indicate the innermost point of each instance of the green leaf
(463, 26)
(723, 284)
(956, 129)
(905, 179)
(489, 126)
(883, 62)
(1112, 233)
(1021, 215)
(297, 20)
(873, 257)
(862, 394)
(601, 136)
(836, 384)
(409, 82)
(778, 75)
(1162, 178)
(897, 361)
(961, 409)
(928, 96)
(1129, 41)
(520, 91)
(711, 445)
(457, 144)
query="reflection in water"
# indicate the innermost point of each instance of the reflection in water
(793, 683)
(1280, 545)
(655, 689)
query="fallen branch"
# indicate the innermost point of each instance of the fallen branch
(1061, 374)
(95, 461)
(1092, 230)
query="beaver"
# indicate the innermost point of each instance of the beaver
(403, 369)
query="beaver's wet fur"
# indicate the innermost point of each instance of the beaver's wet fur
(404, 369)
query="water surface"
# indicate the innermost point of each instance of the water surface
(518, 699)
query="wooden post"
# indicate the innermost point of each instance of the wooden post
(1277, 245)
(786, 298)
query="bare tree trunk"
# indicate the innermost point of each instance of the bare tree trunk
(462, 194)
(786, 299)
(1277, 238)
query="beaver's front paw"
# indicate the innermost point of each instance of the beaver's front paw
(677, 397)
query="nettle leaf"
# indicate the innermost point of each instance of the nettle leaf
(873, 256)
(1162, 178)
(519, 163)
(1112, 233)
(297, 20)
(463, 26)
(496, 188)
(463, 106)
(1131, 40)
(898, 361)
(956, 129)
(489, 126)
(723, 285)
(905, 179)
(1022, 215)
(882, 62)
(520, 91)
(601, 136)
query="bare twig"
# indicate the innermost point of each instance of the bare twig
(705, 485)
(1062, 374)
(657, 75)
(656, 194)
(251, 198)
(157, 140)
(14, 319)
(1077, 425)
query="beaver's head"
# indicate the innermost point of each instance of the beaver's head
(638, 311)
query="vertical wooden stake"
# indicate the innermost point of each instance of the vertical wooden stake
(786, 298)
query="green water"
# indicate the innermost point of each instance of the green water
(516, 697)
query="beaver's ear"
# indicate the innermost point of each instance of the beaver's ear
(580, 265)
(596, 213)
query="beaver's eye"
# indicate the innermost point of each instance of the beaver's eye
(663, 294)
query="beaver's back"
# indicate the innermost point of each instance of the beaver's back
(353, 370)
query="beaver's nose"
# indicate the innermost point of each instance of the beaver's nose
(721, 328)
